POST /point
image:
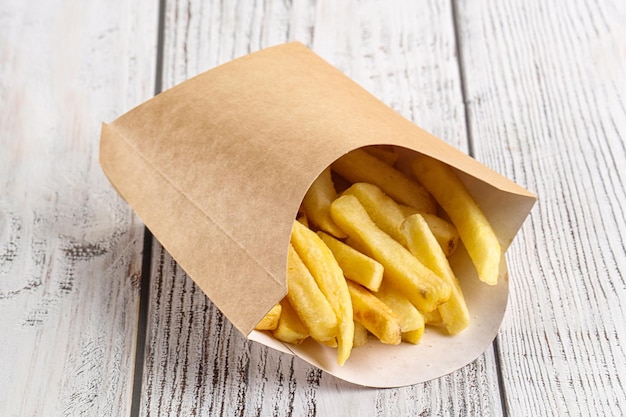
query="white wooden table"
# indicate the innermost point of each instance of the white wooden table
(534, 89)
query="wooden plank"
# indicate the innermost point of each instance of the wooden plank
(196, 362)
(546, 96)
(70, 249)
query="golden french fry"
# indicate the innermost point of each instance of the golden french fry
(360, 166)
(356, 266)
(423, 287)
(270, 320)
(474, 229)
(307, 300)
(329, 277)
(360, 335)
(290, 329)
(381, 208)
(410, 318)
(317, 201)
(413, 336)
(423, 244)
(445, 232)
(375, 315)
(386, 153)
(432, 318)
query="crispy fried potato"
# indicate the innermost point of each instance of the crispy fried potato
(360, 335)
(290, 329)
(410, 318)
(270, 320)
(360, 166)
(356, 266)
(381, 208)
(329, 277)
(307, 300)
(474, 229)
(445, 232)
(423, 244)
(423, 287)
(317, 201)
(375, 315)
(432, 318)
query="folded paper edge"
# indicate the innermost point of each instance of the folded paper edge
(270, 290)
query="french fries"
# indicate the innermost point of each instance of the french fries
(356, 266)
(329, 277)
(317, 201)
(425, 289)
(360, 166)
(423, 244)
(374, 259)
(375, 315)
(474, 229)
(308, 301)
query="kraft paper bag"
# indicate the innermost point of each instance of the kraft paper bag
(217, 166)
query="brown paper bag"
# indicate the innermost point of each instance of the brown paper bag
(217, 166)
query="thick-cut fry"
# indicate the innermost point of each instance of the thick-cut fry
(356, 266)
(433, 318)
(423, 244)
(410, 318)
(359, 166)
(414, 336)
(329, 277)
(375, 315)
(423, 287)
(317, 201)
(474, 229)
(381, 208)
(308, 301)
(270, 320)
(360, 335)
(445, 232)
(290, 329)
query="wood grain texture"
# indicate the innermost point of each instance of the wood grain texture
(70, 249)
(546, 97)
(197, 364)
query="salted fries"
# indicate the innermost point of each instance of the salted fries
(373, 257)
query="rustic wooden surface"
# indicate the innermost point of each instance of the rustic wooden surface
(534, 89)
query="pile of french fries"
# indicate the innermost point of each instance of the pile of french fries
(369, 253)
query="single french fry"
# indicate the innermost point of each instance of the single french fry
(360, 166)
(422, 286)
(413, 336)
(375, 315)
(317, 201)
(410, 318)
(381, 208)
(308, 301)
(329, 277)
(355, 265)
(360, 335)
(270, 320)
(290, 329)
(423, 244)
(474, 229)
(445, 232)
(432, 318)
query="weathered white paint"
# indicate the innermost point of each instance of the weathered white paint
(70, 249)
(546, 96)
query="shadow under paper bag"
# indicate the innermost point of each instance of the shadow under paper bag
(217, 166)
